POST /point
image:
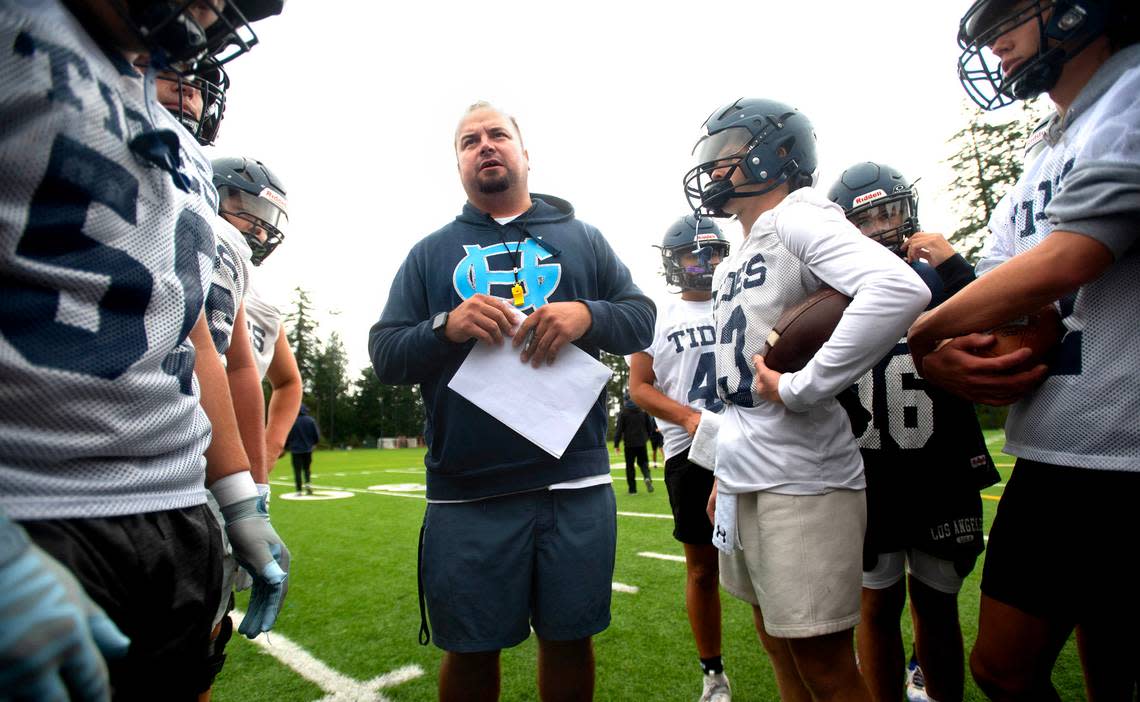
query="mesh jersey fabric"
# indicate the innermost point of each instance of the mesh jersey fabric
(925, 460)
(229, 283)
(106, 250)
(264, 321)
(804, 444)
(1084, 414)
(684, 365)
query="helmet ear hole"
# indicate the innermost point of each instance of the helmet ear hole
(799, 180)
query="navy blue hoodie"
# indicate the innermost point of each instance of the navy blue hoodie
(304, 435)
(471, 454)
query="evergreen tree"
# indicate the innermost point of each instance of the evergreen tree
(385, 410)
(302, 335)
(615, 388)
(367, 406)
(329, 390)
(987, 161)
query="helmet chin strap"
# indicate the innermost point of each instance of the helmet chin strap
(717, 200)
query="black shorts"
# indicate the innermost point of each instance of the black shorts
(689, 488)
(932, 509)
(159, 577)
(1062, 542)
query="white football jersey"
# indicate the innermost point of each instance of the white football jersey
(229, 284)
(684, 364)
(802, 446)
(1083, 176)
(264, 322)
(106, 251)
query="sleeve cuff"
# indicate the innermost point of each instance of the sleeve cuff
(788, 397)
(1117, 233)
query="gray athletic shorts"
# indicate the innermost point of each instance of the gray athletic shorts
(494, 568)
(801, 561)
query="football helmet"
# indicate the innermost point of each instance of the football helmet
(249, 191)
(704, 240)
(880, 201)
(175, 36)
(770, 142)
(1070, 26)
(211, 82)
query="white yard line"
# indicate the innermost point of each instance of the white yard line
(359, 491)
(622, 587)
(337, 686)
(661, 556)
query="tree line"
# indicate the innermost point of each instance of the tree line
(351, 409)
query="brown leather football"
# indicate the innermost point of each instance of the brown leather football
(1040, 331)
(803, 329)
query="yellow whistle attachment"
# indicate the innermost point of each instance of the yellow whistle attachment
(517, 294)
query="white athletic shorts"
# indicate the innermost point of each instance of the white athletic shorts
(802, 560)
(930, 570)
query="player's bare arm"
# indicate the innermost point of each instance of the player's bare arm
(710, 508)
(249, 401)
(652, 400)
(225, 456)
(481, 317)
(933, 248)
(285, 401)
(1059, 265)
(555, 325)
(767, 383)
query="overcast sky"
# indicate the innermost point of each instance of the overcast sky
(354, 104)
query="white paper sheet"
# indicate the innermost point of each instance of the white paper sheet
(546, 405)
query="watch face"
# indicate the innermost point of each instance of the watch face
(439, 324)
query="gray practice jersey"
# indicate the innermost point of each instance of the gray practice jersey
(106, 250)
(1083, 176)
(684, 365)
(264, 322)
(229, 284)
(803, 445)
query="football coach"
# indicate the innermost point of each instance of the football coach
(512, 538)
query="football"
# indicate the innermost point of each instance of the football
(1039, 331)
(803, 329)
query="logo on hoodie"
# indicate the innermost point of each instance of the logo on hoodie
(473, 274)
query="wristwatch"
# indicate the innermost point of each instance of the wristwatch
(439, 326)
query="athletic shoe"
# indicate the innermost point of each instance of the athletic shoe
(308, 490)
(915, 682)
(649, 484)
(716, 689)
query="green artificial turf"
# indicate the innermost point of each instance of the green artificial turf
(352, 602)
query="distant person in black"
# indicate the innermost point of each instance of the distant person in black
(302, 438)
(634, 427)
(656, 440)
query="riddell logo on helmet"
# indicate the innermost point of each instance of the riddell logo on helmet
(271, 195)
(868, 197)
(707, 236)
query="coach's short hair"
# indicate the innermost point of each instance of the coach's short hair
(484, 105)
